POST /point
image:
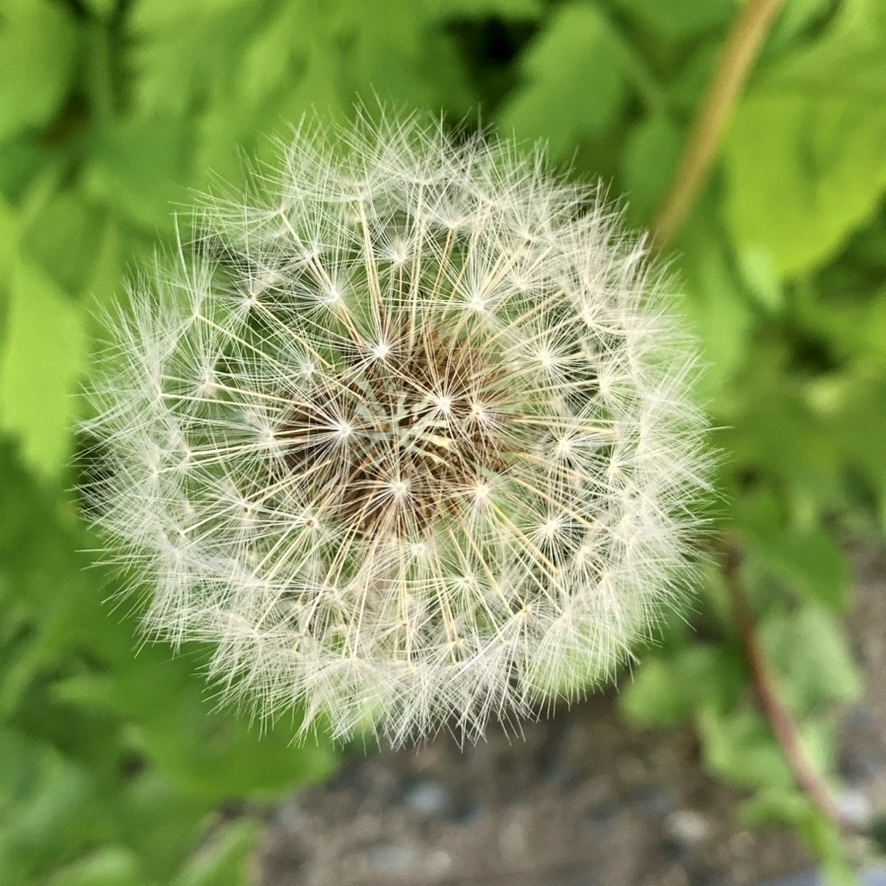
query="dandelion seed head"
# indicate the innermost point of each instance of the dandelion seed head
(409, 438)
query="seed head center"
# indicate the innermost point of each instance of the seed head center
(389, 445)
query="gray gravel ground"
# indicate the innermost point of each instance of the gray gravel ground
(580, 800)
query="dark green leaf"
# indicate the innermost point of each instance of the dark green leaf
(573, 68)
(141, 168)
(651, 156)
(680, 19)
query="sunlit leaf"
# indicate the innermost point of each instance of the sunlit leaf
(38, 44)
(808, 650)
(44, 356)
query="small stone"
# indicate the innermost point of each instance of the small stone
(855, 808)
(688, 827)
(289, 818)
(426, 797)
(392, 858)
(654, 801)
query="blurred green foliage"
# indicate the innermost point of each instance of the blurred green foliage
(114, 766)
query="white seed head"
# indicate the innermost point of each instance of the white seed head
(408, 438)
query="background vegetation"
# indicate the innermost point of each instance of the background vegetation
(114, 766)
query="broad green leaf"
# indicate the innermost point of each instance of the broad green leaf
(38, 45)
(809, 652)
(43, 358)
(715, 305)
(9, 235)
(669, 691)
(225, 860)
(848, 58)
(777, 806)
(654, 697)
(513, 10)
(853, 323)
(688, 86)
(102, 8)
(795, 21)
(680, 19)
(142, 169)
(62, 239)
(211, 753)
(806, 558)
(107, 866)
(739, 747)
(182, 50)
(47, 807)
(803, 171)
(234, 127)
(24, 159)
(396, 58)
(159, 821)
(650, 158)
(573, 85)
(773, 430)
(279, 38)
(862, 424)
(758, 273)
(45, 582)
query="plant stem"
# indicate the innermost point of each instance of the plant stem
(780, 719)
(741, 48)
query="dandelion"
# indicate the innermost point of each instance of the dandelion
(406, 436)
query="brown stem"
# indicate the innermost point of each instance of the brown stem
(780, 719)
(733, 67)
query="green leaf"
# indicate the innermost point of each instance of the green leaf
(47, 807)
(63, 237)
(809, 653)
(573, 82)
(159, 821)
(224, 860)
(102, 8)
(739, 747)
(183, 50)
(856, 329)
(773, 429)
(804, 160)
(669, 691)
(38, 46)
(680, 19)
(650, 158)
(808, 559)
(212, 753)
(797, 20)
(513, 10)
(405, 61)
(715, 305)
(9, 236)
(848, 59)
(107, 866)
(758, 272)
(142, 168)
(773, 806)
(861, 422)
(44, 356)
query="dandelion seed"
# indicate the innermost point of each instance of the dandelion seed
(410, 441)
